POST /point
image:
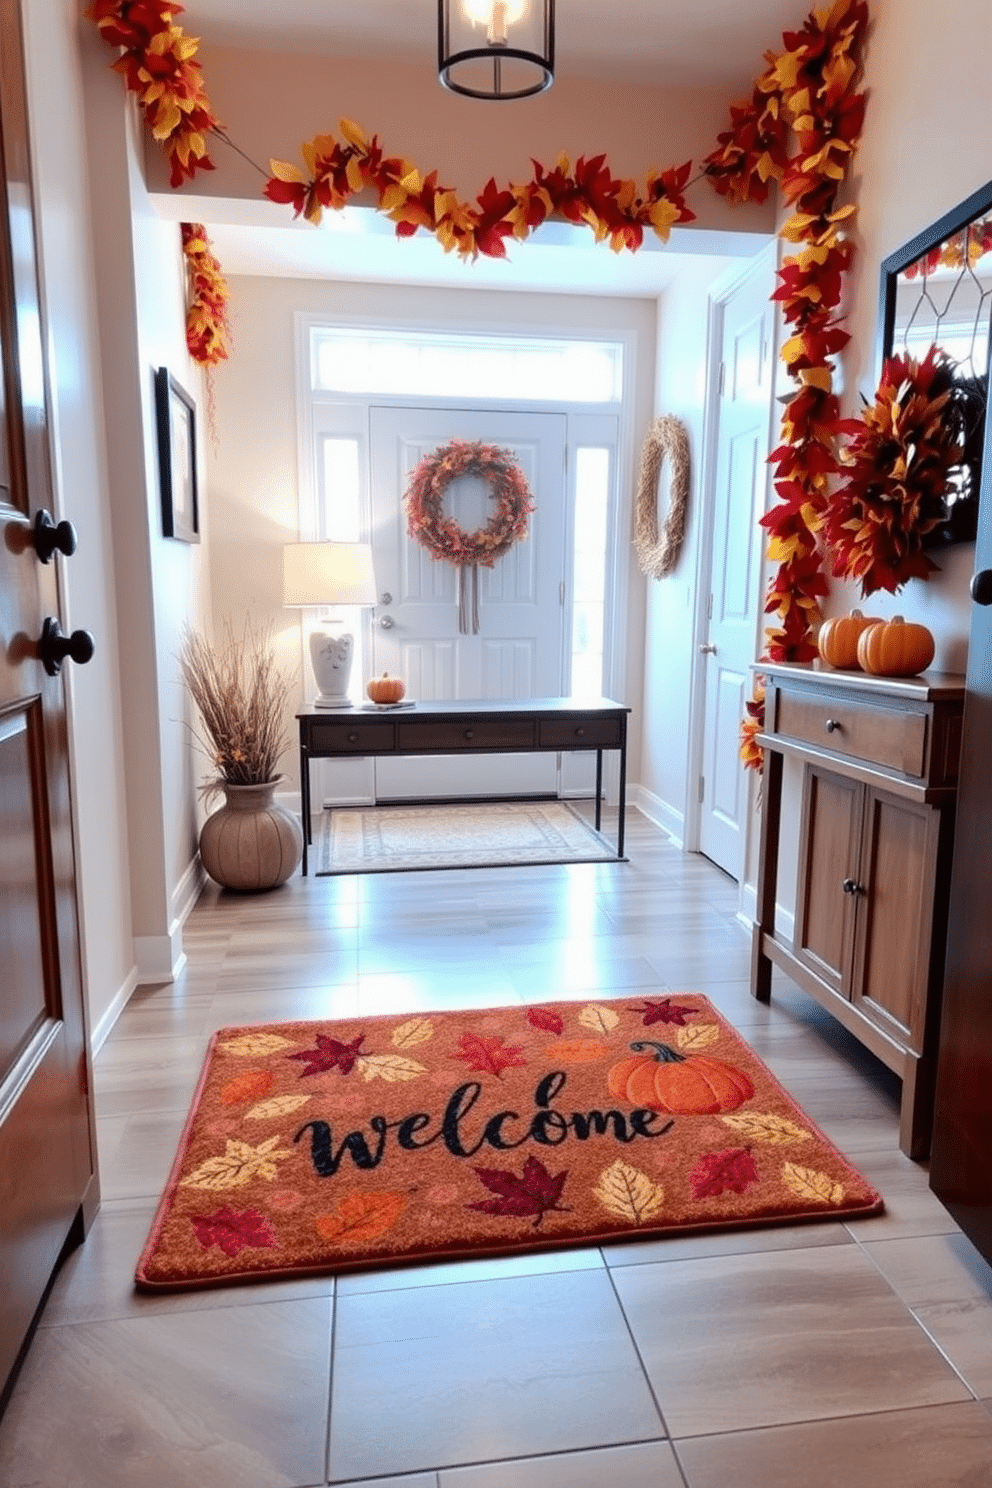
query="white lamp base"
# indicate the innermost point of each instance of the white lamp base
(330, 657)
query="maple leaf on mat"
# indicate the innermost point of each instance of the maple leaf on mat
(328, 1054)
(489, 1056)
(540, 1018)
(732, 1170)
(534, 1193)
(663, 1010)
(234, 1230)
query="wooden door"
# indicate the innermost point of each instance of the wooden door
(734, 580)
(896, 878)
(519, 650)
(961, 1159)
(829, 852)
(47, 1158)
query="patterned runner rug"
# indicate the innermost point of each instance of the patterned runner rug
(320, 1147)
(385, 839)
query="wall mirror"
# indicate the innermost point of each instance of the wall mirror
(937, 290)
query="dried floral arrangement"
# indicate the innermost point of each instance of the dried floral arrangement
(242, 698)
(898, 466)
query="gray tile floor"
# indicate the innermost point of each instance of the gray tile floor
(807, 1357)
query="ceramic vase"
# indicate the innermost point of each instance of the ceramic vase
(251, 843)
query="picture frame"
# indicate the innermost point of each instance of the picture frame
(175, 414)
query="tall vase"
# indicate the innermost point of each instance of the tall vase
(251, 843)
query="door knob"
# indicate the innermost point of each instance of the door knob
(387, 622)
(56, 646)
(707, 650)
(48, 538)
(981, 587)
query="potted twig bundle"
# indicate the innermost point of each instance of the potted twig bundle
(250, 842)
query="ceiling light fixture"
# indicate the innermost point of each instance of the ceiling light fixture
(496, 48)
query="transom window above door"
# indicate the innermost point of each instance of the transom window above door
(518, 369)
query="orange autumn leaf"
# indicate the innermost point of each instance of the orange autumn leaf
(579, 1051)
(249, 1086)
(361, 1217)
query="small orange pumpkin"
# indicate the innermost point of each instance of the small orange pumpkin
(838, 639)
(658, 1078)
(386, 689)
(895, 648)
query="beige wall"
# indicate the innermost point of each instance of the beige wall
(925, 148)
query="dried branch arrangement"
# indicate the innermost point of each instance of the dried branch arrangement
(242, 698)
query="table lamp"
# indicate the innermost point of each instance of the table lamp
(329, 574)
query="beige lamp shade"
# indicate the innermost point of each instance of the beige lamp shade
(328, 573)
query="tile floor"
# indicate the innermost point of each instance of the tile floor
(810, 1357)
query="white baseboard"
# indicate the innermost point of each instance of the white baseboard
(159, 958)
(99, 1034)
(186, 893)
(658, 811)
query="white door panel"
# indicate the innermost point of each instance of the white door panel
(735, 564)
(518, 652)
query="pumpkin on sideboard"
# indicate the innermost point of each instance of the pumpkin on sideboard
(386, 689)
(658, 1078)
(838, 638)
(896, 648)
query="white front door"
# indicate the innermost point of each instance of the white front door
(734, 601)
(518, 651)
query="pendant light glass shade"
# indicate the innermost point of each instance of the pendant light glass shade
(496, 48)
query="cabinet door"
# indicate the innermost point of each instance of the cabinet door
(896, 880)
(829, 853)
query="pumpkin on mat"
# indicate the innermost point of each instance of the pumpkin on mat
(895, 648)
(658, 1078)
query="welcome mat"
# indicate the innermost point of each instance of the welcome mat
(389, 839)
(319, 1147)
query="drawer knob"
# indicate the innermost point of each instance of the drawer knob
(353, 738)
(833, 726)
(470, 733)
(579, 732)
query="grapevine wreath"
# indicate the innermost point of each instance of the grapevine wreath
(441, 535)
(658, 554)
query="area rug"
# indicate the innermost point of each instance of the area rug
(389, 839)
(320, 1147)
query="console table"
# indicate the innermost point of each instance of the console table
(539, 725)
(879, 759)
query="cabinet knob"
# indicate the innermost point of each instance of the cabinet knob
(352, 738)
(981, 587)
(470, 733)
(579, 732)
(851, 886)
(833, 726)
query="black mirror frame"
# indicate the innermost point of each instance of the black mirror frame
(973, 207)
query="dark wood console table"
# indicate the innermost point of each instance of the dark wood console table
(539, 725)
(879, 760)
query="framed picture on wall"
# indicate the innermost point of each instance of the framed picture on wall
(176, 418)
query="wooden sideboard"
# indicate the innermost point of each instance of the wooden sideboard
(879, 760)
(536, 725)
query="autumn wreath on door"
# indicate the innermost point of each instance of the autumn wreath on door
(440, 534)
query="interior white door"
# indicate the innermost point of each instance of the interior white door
(518, 652)
(728, 647)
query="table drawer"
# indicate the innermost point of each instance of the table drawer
(892, 738)
(349, 737)
(569, 733)
(442, 736)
